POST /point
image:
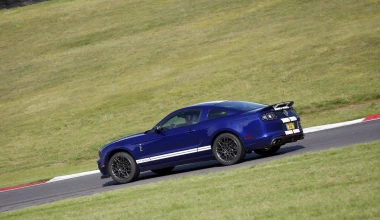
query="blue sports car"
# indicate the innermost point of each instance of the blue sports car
(221, 130)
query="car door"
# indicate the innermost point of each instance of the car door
(176, 141)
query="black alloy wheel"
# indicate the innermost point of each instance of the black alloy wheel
(228, 149)
(123, 168)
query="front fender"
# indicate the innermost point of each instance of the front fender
(110, 151)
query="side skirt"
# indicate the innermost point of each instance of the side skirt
(177, 163)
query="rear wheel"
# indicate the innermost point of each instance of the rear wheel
(228, 149)
(267, 151)
(163, 171)
(123, 168)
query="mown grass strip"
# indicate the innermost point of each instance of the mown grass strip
(339, 183)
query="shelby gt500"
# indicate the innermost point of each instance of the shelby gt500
(221, 130)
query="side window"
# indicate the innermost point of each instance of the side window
(216, 113)
(181, 119)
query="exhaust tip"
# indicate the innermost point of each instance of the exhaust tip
(276, 142)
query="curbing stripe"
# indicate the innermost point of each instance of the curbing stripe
(10, 188)
(372, 117)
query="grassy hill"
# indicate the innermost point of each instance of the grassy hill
(77, 74)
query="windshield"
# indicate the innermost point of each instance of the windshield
(240, 106)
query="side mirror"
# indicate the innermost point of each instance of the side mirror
(158, 129)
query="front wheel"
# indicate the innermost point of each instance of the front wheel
(228, 149)
(267, 151)
(123, 168)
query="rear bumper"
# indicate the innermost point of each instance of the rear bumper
(276, 138)
(278, 141)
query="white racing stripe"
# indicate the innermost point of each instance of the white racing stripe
(143, 160)
(179, 153)
(204, 148)
(288, 132)
(284, 120)
(292, 131)
(175, 154)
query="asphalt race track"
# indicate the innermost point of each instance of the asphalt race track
(87, 185)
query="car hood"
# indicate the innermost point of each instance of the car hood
(127, 139)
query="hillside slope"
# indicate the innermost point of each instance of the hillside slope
(77, 74)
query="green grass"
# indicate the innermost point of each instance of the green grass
(333, 184)
(78, 74)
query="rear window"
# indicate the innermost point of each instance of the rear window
(240, 106)
(216, 113)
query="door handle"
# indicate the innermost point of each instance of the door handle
(189, 131)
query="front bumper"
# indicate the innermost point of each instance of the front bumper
(104, 176)
(103, 169)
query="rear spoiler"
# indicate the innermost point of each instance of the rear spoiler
(279, 106)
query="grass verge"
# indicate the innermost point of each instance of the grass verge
(339, 183)
(78, 74)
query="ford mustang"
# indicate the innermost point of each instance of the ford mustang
(221, 130)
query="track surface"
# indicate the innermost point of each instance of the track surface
(87, 185)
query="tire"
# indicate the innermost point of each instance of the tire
(228, 149)
(267, 151)
(163, 171)
(123, 168)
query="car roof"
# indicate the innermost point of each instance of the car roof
(212, 103)
(219, 105)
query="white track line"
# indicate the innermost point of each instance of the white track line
(329, 126)
(59, 178)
